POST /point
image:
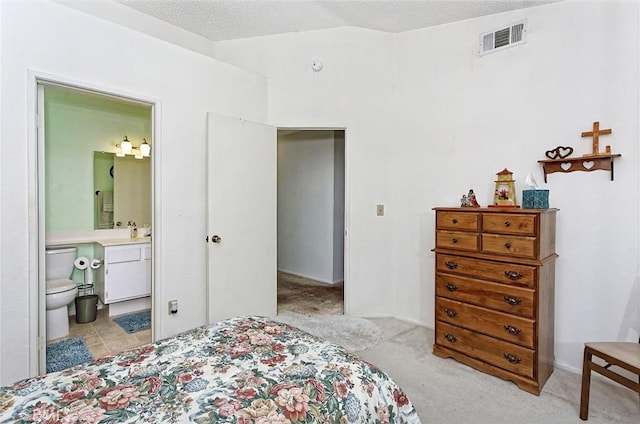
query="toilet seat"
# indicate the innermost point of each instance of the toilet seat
(59, 286)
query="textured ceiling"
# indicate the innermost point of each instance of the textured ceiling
(231, 19)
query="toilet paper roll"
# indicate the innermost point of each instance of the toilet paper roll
(81, 263)
(96, 263)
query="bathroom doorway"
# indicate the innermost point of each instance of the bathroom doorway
(311, 221)
(79, 136)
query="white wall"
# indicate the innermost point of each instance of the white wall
(427, 119)
(54, 39)
(462, 118)
(353, 91)
(338, 205)
(305, 204)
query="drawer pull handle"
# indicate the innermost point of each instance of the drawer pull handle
(512, 330)
(511, 358)
(507, 224)
(454, 240)
(513, 275)
(451, 338)
(451, 265)
(513, 301)
(455, 221)
(451, 313)
(507, 245)
(450, 287)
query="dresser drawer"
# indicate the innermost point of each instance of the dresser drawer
(509, 224)
(501, 272)
(502, 354)
(507, 327)
(456, 240)
(505, 298)
(457, 221)
(524, 247)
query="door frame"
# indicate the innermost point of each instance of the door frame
(347, 197)
(36, 217)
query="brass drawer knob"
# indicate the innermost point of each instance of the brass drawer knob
(513, 301)
(455, 221)
(451, 265)
(512, 330)
(513, 275)
(511, 358)
(507, 224)
(451, 338)
(451, 313)
(507, 245)
(454, 240)
(450, 287)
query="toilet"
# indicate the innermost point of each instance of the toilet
(60, 289)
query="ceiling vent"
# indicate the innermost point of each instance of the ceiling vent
(511, 36)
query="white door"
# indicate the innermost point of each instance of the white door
(241, 218)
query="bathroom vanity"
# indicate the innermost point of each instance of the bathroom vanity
(126, 271)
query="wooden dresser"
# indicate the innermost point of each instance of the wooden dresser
(494, 283)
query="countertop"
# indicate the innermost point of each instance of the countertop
(101, 237)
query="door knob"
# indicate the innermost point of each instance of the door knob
(216, 239)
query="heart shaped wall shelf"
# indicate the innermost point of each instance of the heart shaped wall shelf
(585, 163)
(558, 159)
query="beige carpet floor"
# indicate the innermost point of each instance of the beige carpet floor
(304, 296)
(446, 391)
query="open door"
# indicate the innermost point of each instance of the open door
(242, 160)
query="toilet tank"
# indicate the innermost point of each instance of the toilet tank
(59, 262)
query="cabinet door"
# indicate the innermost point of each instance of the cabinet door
(127, 280)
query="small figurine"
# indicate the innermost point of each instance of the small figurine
(464, 202)
(471, 198)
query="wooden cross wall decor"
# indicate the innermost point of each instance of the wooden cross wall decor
(596, 133)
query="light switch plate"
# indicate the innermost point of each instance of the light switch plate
(380, 210)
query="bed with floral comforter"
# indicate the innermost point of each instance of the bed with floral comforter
(243, 370)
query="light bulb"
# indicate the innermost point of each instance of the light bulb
(145, 148)
(126, 146)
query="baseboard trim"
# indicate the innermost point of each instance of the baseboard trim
(310, 277)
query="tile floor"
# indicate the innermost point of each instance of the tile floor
(295, 294)
(103, 336)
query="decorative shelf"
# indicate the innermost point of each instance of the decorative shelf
(585, 163)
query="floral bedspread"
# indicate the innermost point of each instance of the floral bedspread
(243, 370)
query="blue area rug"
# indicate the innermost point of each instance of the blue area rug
(133, 323)
(67, 353)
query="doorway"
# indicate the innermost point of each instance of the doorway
(311, 221)
(77, 128)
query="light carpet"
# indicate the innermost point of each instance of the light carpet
(67, 353)
(353, 333)
(446, 391)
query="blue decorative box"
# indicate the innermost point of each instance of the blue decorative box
(535, 199)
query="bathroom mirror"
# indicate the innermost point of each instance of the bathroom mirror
(82, 132)
(122, 188)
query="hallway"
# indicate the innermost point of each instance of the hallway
(304, 296)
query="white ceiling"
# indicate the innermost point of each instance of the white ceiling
(231, 19)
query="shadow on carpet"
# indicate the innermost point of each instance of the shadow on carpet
(67, 353)
(132, 323)
(353, 333)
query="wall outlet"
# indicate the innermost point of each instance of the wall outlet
(380, 210)
(173, 306)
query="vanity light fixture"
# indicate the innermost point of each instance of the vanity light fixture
(126, 148)
(145, 148)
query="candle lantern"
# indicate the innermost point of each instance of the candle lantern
(505, 194)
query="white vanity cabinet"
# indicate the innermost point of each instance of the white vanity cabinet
(125, 273)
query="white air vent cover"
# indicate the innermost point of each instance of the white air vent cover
(513, 35)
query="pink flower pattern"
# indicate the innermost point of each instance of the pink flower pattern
(248, 370)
